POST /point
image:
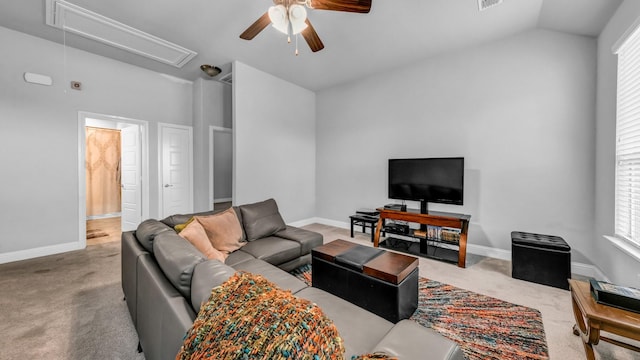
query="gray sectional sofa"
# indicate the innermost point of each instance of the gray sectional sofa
(165, 279)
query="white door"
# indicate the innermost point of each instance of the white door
(130, 177)
(176, 169)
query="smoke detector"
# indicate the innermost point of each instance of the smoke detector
(486, 4)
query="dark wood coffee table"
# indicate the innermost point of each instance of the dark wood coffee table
(386, 285)
(592, 318)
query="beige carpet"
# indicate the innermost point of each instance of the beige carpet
(70, 306)
(66, 306)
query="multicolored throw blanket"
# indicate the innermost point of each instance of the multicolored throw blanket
(248, 317)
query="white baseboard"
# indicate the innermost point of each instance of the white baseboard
(588, 271)
(576, 267)
(489, 252)
(38, 252)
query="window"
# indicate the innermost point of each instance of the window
(627, 192)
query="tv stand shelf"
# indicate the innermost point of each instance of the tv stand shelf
(435, 250)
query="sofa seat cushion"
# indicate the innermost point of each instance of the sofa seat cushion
(177, 258)
(307, 239)
(423, 341)
(261, 219)
(360, 329)
(274, 250)
(283, 279)
(237, 257)
(147, 232)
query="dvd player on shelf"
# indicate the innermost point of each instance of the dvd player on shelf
(397, 228)
(396, 207)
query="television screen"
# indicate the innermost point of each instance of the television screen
(437, 180)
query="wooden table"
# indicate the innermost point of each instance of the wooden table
(436, 218)
(592, 318)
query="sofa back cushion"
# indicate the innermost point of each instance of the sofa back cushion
(261, 219)
(147, 232)
(177, 219)
(177, 258)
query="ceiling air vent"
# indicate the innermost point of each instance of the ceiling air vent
(227, 79)
(486, 4)
(74, 19)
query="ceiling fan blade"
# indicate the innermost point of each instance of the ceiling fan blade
(312, 38)
(357, 6)
(256, 27)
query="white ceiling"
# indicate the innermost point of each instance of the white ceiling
(394, 33)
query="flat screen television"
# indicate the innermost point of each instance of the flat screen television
(435, 180)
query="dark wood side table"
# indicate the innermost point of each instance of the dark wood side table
(592, 318)
(364, 221)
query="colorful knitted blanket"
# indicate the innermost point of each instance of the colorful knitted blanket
(248, 317)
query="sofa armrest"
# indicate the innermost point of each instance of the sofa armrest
(408, 341)
(307, 239)
(207, 275)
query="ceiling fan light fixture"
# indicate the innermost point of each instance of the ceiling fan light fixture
(297, 17)
(210, 70)
(279, 18)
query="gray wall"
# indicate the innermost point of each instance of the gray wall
(275, 146)
(211, 107)
(520, 110)
(618, 265)
(39, 134)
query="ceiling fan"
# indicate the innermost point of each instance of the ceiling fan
(290, 17)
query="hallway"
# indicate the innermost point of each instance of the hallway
(100, 231)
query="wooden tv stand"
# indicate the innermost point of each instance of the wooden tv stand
(436, 218)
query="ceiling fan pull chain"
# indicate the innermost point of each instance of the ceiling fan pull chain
(296, 44)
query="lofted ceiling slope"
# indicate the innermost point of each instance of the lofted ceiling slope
(394, 33)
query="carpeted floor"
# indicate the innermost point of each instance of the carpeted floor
(485, 327)
(66, 306)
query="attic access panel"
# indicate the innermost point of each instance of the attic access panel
(93, 26)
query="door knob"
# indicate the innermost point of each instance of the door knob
(168, 185)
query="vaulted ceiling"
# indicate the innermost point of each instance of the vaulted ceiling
(394, 33)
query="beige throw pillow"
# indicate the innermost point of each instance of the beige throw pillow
(197, 236)
(223, 230)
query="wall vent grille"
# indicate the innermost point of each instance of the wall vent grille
(227, 79)
(77, 20)
(486, 4)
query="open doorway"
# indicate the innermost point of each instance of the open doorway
(221, 167)
(113, 176)
(103, 175)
